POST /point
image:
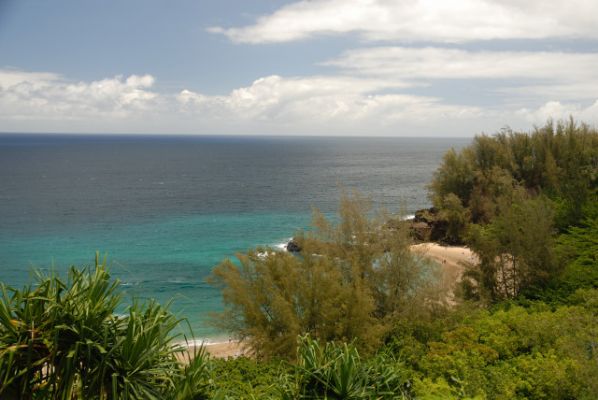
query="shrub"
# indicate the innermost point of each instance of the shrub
(336, 371)
(350, 281)
(64, 340)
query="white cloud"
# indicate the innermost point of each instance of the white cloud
(272, 94)
(540, 74)
(423, 20)
(408, 63)
(557, 110)
(10, 78)
(366, 104)
(315, 99)
(326, 104)
(33, 95)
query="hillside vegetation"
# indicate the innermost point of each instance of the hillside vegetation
(357, 315)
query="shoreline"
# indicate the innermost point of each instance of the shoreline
(217, 349)
(451, 259)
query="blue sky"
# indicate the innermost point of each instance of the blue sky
(321, 67)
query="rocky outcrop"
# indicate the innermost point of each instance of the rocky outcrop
(428, 226)
(293, 246)
(420, 231)
(425, 226)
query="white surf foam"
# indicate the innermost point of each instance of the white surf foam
(282, 246)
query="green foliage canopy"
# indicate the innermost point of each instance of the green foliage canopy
(559, 160)
(516, 249)
(351, 279)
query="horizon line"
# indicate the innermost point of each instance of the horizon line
(233, 135)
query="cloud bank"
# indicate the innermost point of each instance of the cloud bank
(321, 105)
(401, 79)
(34, 95)
(422, 20)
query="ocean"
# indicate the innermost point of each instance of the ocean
(167, 209)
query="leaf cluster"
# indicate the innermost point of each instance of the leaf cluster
(558, 160)
(518, 352)
(352, 279)
(337, 371)
(64, 340)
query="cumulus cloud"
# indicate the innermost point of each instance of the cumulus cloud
(360, 99)
(272, 95)
(33, 95)
(422, 20)
(327, 103)
(557, 110)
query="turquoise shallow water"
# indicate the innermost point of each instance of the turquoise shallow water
(166, 259)
(167, 209)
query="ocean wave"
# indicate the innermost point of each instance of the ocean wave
(195, 342)
(264, 254)
(178, 281)
(283, 245)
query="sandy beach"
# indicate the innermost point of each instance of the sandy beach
(220, 349)
(226, 349)
(451, 258)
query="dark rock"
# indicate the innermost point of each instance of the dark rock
(420, 231)
(427, 225)
(293, 246)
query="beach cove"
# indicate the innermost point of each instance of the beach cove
(166, 210)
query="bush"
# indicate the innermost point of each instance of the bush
(245, 378)
(350, 281)
(336, 371)
(511, 352)
(64, 340)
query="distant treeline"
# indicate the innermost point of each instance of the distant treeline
(558, 161)
(509, 195)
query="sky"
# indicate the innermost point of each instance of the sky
(320, 67)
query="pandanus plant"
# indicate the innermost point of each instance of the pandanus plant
(64, 340)
(336, 371)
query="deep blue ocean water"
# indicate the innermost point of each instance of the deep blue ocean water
(167, 209)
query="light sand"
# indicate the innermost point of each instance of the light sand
(227, 349)
(223, 349)
(450, 258)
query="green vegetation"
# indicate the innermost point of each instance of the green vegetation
(516, 249)
(510, 352)
(559, 161)
(357, 315)
(352, 280)
(509, 196)
(64, 340)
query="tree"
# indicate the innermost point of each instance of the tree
(516, 250)
(457, 218)
(455, 175)
(558, 160)
(351, 279)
